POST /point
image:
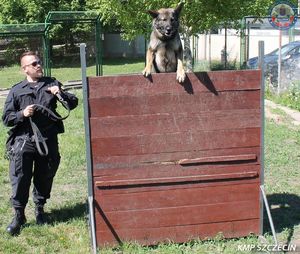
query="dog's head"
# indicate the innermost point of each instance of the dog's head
(166, 22)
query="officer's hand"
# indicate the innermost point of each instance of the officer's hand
(54, 89)
(28, 111)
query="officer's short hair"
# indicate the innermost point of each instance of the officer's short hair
(28, 53)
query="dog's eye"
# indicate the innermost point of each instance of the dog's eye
(163, 19)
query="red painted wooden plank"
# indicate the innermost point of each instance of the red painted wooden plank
(199, 163)
(183, 215)
(110, 172)
(167, 103)
(160, 197)
(175, 142)
(178, 179)
(214, 159)
(134, 161)
(137, 85)
(205, 184)
(173, 122)
(152, 236)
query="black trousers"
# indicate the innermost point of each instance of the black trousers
(27, 164)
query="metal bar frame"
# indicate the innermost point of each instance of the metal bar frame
(96, 21)
(262, 124)
(40, 32)
(88, 147)
(99, 68)
(263, 197)
(46, 42)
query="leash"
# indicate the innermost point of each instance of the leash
(37, 135)
(38, 138)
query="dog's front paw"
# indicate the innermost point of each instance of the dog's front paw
(180, 76)
(146, 72)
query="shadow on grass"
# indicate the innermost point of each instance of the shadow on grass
(64, 214)
(285, 211)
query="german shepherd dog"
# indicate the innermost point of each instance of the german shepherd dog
(164, 52)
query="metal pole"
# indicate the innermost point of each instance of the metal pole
(194, 52)
(261, 66)
(209, 50)
(248, 41)
(269, 214)
(279, 63)
(99, 70)
(243, 43)
(263, 197)
(88, 146)
(225, 49)
(47, 69)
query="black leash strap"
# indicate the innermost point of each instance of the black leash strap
(37, 135)
(38, 138)
(51, 113)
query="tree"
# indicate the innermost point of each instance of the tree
(197, 16)
(35, 11)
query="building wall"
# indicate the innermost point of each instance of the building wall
(211, 46)
(114, 46)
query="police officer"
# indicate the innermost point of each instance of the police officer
(24, 108)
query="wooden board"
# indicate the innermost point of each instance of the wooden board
(175, 161)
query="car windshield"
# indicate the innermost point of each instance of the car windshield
(284, 49)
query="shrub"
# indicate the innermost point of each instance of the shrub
(217, 65)
(289, 98)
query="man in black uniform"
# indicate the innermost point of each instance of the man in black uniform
(25, 107)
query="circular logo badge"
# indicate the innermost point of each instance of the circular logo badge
(283, 15)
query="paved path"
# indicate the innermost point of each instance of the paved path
(3, 93)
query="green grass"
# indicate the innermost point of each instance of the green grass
(67, 209)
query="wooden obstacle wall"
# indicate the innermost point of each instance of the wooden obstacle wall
(175, 162)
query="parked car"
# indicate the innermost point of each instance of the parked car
(290, 50)
(290, 61)
(290, 71)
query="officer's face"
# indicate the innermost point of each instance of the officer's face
(32, 67)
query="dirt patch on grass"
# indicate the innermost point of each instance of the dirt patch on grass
(278, 118)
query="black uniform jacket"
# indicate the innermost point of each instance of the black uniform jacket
(23, 94)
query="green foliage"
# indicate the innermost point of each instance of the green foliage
(289, 98)
(197, 16)
(216, 66)
(230, 65)
(131, 16)
(34, 11)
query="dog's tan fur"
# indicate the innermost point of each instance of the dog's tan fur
(164, 52)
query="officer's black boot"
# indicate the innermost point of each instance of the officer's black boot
(40, 215)
(18, 221)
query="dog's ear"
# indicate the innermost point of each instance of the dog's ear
(179, 8)
(154, 14)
